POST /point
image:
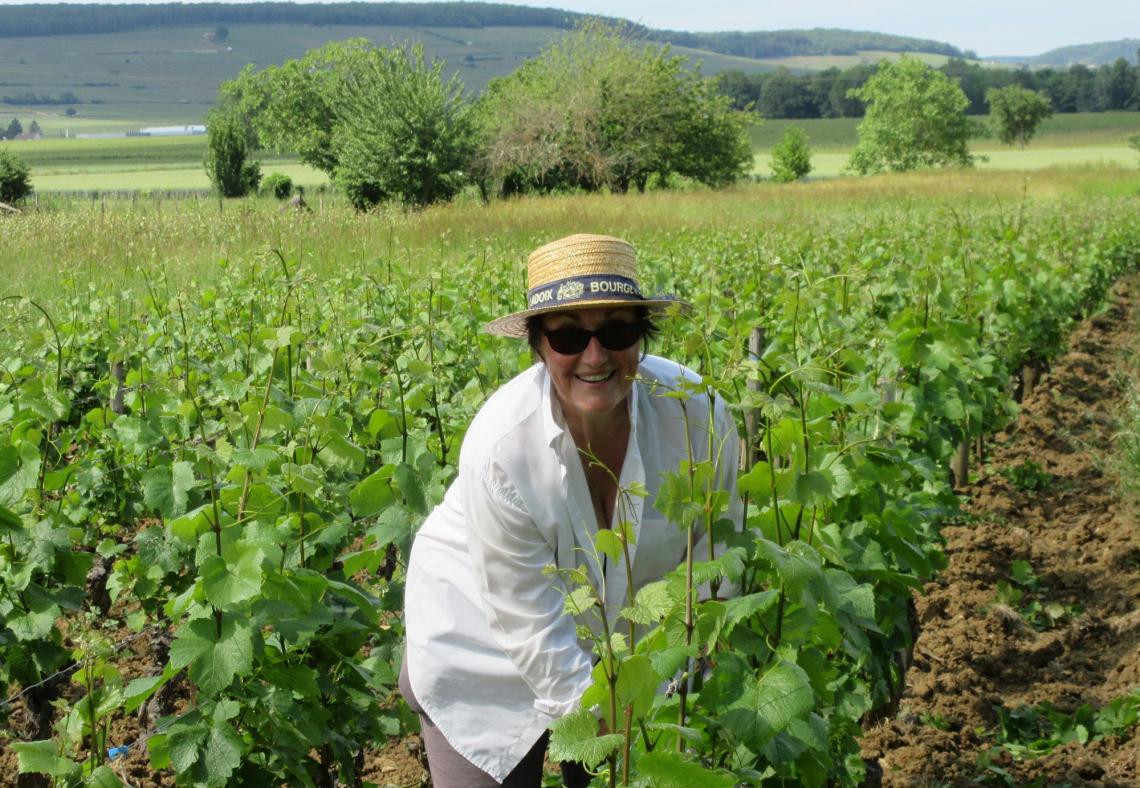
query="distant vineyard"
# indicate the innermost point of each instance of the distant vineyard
(232, 473)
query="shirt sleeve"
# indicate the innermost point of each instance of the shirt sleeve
(524, 605)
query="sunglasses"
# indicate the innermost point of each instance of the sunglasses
(614, 335)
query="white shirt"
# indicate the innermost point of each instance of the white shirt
(492, 658)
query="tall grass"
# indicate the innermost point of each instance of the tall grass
(80, 241)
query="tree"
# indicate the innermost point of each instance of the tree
(916, 117)
(221, 33)
(791, 158)
(1017, 112)
(1120, 85)
(14, 129)
(15, 178)
(229, 145)
(600, 110)
(380, 122)
(34, 128)
(401, 131)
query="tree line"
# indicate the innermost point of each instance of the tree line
(598, 109)
(57, 19)
(828, 94)
(765, 44)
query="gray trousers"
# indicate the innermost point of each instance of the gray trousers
(449, 769)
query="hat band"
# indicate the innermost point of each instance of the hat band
(576, 289)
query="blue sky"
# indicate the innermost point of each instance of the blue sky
(989, 27)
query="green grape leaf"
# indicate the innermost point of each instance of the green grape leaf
(9, 520)
(575, 738)
(579, 600)
(166, 488)
(667, 769)
(769, 704)
(223, 746)
(408, 483)
(608, 543)
(637, 683)
(230, 581)
(299, 679)
(652, 603)
(42, 757)
(214, 658)
(373, 494)
(340, 453)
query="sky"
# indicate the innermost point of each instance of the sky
(989, 27)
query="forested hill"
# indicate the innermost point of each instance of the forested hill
(765, 44)
(1088, 54)
(45, 19)
(58, 19)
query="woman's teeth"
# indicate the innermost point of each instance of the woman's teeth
(595, 378)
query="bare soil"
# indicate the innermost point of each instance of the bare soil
(1079, 534)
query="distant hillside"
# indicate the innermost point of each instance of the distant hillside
(770, 44)
(1097, 54)
(59, 19)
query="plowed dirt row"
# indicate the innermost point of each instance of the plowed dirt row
(978, 650)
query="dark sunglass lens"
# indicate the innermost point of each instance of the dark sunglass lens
(615, 335)
(619, 335)
(568, 340)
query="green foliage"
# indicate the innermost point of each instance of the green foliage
(279, 434)
(278, 184)
(1026, 595)
(600, 110)
(15, 178)
(1134, 141)
(791, 158)
(14, 130)
(229, 146)
(1027, 476)
(382, 122)
(1033, 731)
(402, 130)
(916, 117)
(1017, 112)
(290, 107)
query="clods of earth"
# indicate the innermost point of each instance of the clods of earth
(1034, 626)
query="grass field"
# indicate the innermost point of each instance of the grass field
(175, 163)
(821, 62)
(184, 239)
(1074, 130)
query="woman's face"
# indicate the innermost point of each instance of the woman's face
(596, 380)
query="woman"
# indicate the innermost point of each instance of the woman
(492, 659)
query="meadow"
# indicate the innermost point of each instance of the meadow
(175, 163)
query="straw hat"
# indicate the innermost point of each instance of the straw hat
(580, 272)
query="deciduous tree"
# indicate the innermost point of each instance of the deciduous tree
(15, 178)
(599, 109)
(916, 117)
(791, 158)
(1016, 112)
(402, 131)
(381, 122)
(229, 146)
